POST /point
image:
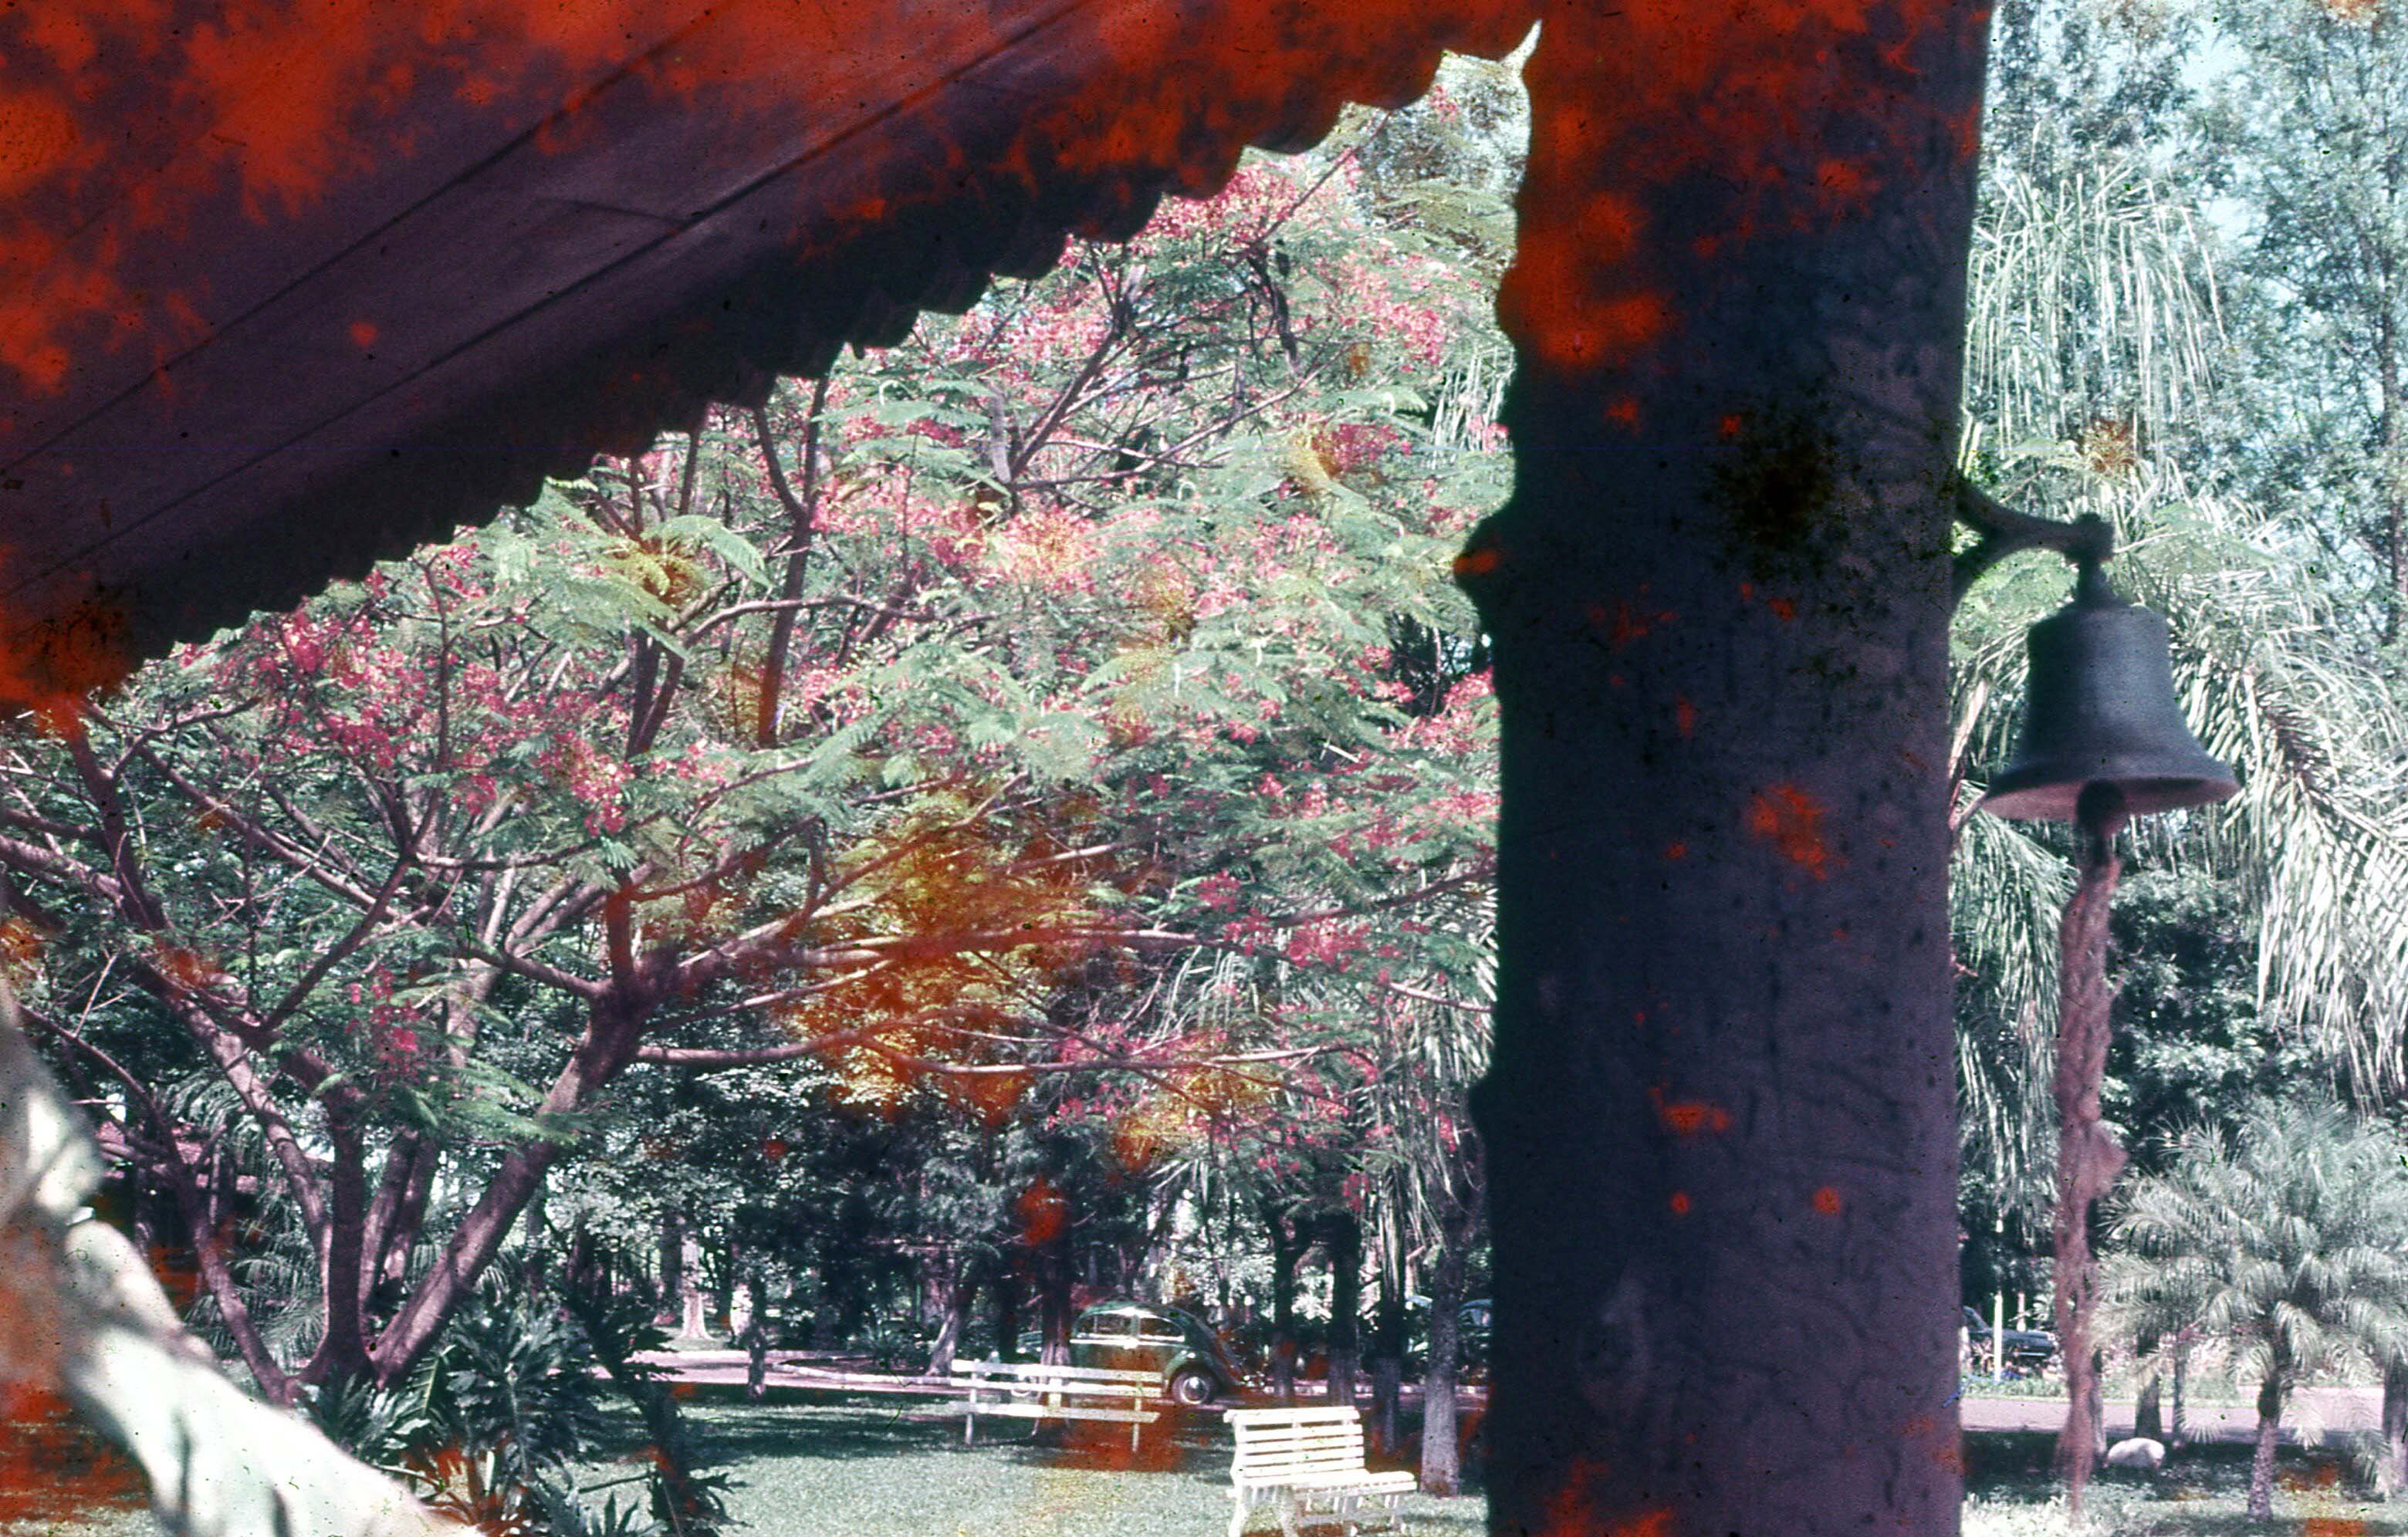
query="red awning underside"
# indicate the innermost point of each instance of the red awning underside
(283, 295)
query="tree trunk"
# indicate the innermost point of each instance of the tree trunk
(2098, 1406)
(2391, 1472)
(198, 1194)
(2146, 1420)
(755, 1353)
(401, 1234)
(396, 1213)
(1387, 1363)
(1006, 1286)
(1719, 1116)
(692, 1309)
(614, 1026)
(342, 1353)
(2088, 1155)
(1343, 1236)
(722, 1285)
(960, 1289)
(2181, 1377)
(1054, 1269)
(2261, 1465)
(1440, 1465)
(1288, 1244)
(671, 1313)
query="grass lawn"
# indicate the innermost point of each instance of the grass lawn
(811, 1466)
(870, 1468)
(816, 1466)
(2204, 1493)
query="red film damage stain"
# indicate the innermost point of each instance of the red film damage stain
(1631, 624)
(1687, 1118)
(1642, 224)
(187, 969)
(53, 1470)
(1571, 1511)
(1828, 1202)
(1477, 562)
(49, 670)
(1676, 850)
(1842, 177)
(1782, 610)
(21, 946)
(1685, 719)
(1575, 1510)
(131, 126)
(35, 133)
(1044, 1215)
(1680, 1204)
(364, 334)
(1792, 821)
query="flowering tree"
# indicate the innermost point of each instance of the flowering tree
(917, 722)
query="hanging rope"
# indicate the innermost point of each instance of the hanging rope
(2088, 1157)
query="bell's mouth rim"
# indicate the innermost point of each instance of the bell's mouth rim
(2054, 800)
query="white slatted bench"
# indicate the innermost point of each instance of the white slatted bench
(1028, 1391)
(1301, 1459)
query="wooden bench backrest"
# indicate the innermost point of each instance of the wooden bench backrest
(1274, 1443)
(1034, 1375)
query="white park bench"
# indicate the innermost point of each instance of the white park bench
(1028, 1391)
(1308, 1459)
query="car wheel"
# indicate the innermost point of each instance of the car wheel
(1193, 1389)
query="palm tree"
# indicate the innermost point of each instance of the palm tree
(2092, 350)
(2286, 1243)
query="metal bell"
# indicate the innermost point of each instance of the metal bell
(2100, 706)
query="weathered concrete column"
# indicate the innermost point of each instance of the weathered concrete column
(1721, 1115)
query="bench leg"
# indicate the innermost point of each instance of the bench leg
(1289, 1507)
(1245, 1507)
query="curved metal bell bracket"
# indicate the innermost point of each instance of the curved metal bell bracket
(2100, 707)
(2006, 532)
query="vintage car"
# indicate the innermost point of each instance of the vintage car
(1145, 1337)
